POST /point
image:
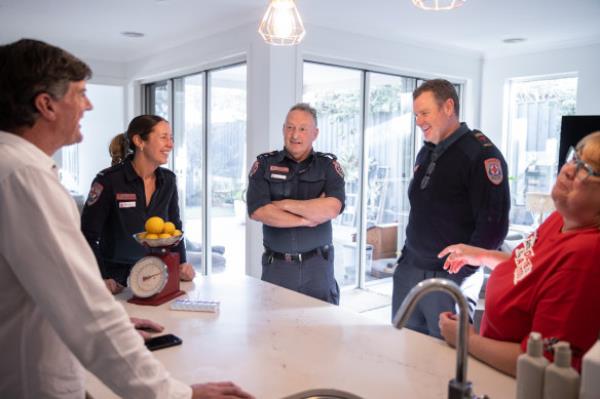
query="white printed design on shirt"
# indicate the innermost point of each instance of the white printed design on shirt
(523, 255)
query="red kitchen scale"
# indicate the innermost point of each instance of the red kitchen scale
(154, 279)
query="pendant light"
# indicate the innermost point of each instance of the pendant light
(282, 25)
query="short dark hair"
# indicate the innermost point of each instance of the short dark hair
(142, 125)
(30, 67)
(306, 108)
(441, 89)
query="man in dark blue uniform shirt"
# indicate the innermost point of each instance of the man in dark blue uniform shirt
(295, 193)
(459, 194)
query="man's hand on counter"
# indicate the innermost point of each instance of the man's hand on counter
(186, 272)
(113, 286)
(145, 327)
(218, 390)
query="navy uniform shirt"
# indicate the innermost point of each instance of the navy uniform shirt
(466, 199)
(276, 176)
(116, 209)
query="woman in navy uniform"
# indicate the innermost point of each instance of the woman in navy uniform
(125, 195)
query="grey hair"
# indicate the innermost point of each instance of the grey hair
(306, 108)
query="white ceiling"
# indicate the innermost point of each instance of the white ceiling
(92, 28)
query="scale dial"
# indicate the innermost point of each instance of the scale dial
(148, 277)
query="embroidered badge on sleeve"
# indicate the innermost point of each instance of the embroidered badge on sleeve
(338, 168)
(94, 194)
(493, 170)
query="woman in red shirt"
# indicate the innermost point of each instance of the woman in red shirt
(551, 282)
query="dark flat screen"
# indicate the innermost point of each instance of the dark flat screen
(572, 129)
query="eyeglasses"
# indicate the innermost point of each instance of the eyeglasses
(573, 157)
(429, 171)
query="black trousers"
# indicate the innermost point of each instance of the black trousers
(313, 277)
(425, 316)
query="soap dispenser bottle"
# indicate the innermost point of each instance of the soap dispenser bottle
(590, 373)
(561, 381)
(530, 369)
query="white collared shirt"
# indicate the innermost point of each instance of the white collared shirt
(55, 312)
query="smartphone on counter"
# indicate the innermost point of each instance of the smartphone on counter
(163, 341)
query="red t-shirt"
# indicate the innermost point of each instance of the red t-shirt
(551, 284)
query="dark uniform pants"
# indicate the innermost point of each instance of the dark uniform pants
(313, 277)
(117, 271)
(425, 316)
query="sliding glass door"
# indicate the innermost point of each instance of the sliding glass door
(207, 111)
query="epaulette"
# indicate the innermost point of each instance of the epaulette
(266, 154)
(326, 155)
(108, 170)
(482, 138)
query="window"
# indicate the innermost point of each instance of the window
(79, 163)
(389, 137)
(534, 117)
(366, 120)
(209, 126)
(228, 175)
(336, 93)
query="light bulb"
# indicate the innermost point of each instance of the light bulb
(281, 24)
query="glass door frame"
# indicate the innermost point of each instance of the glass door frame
(365, 71)
(148, 101)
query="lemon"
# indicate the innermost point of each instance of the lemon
(177, 233)
(169, 228)
(151, 236)
(155, 225)
(164, 235)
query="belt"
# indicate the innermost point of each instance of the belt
(299, 257)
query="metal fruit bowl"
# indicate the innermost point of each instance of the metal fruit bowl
(157, 242)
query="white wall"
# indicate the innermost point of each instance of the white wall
(584, 60)
(408, 59)
(99, 126)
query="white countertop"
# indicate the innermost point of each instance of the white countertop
(274, 342)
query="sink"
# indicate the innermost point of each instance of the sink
(323, 394)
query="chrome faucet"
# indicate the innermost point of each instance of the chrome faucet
(459, 387)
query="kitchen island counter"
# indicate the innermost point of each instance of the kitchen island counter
(274, 342)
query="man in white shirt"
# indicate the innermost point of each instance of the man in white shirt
(55, 312)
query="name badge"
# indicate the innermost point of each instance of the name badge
(276, 168)
(126, 197)
(128, 204)
(278, 176)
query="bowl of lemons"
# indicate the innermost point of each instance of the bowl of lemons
(159, 233)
